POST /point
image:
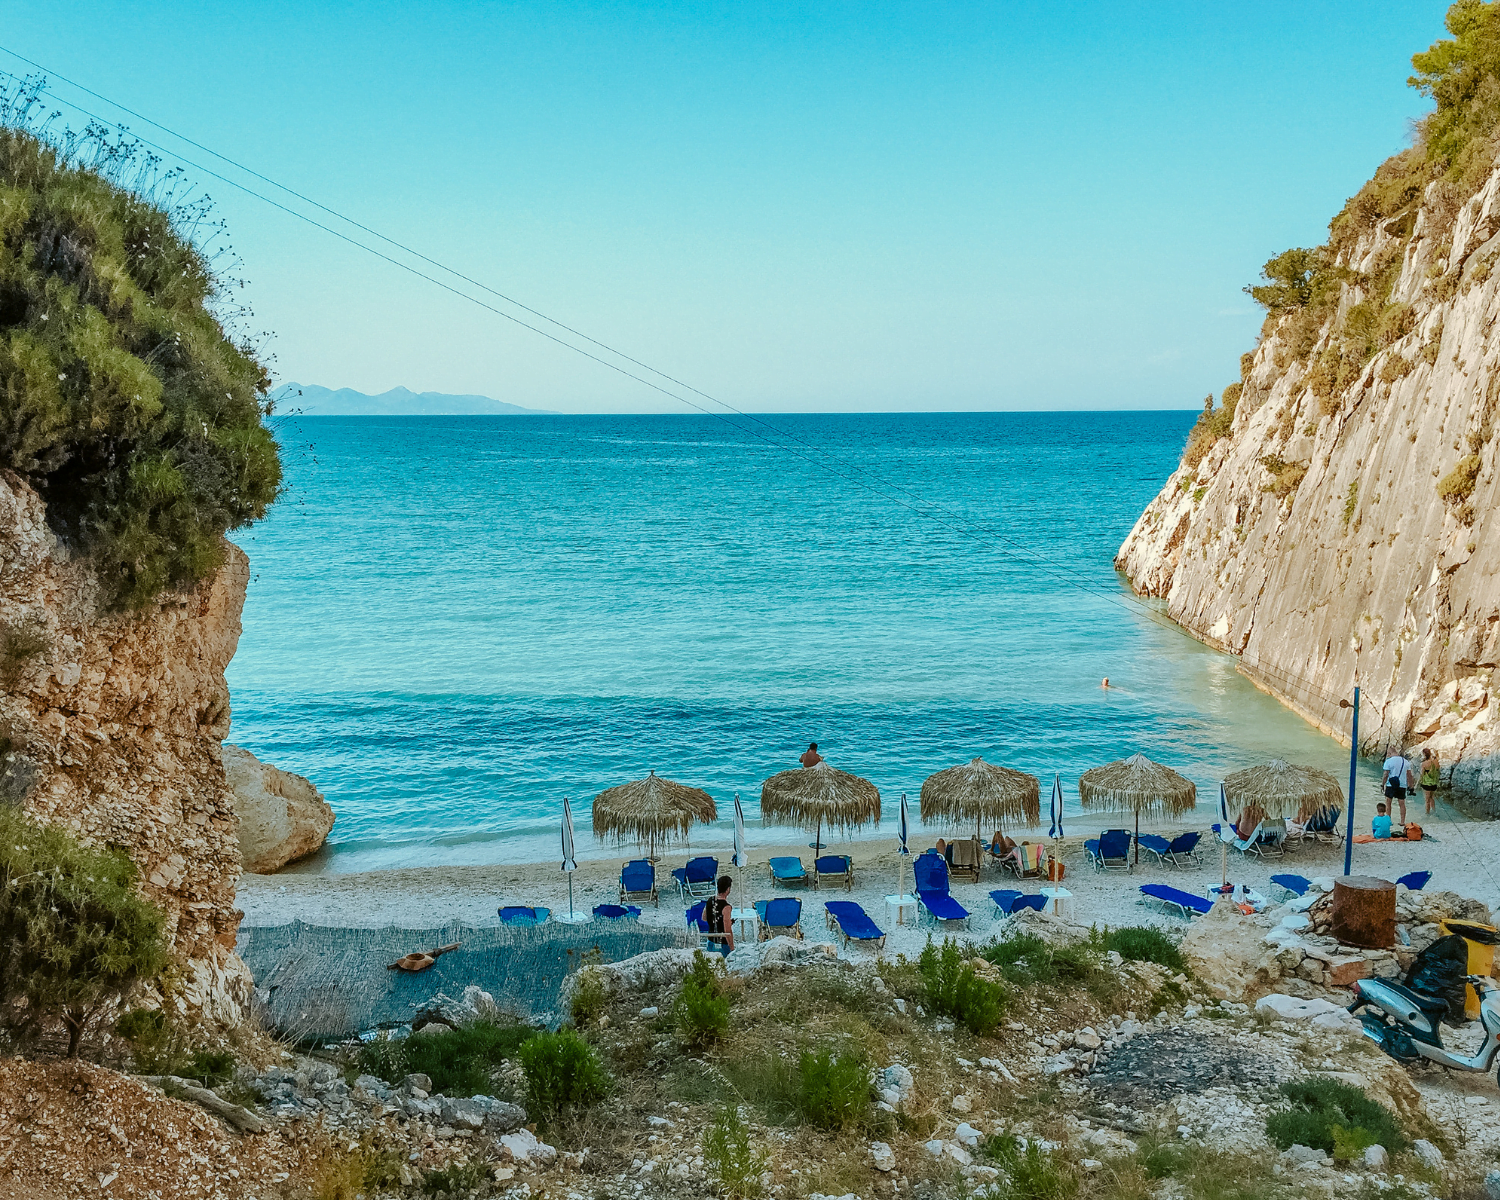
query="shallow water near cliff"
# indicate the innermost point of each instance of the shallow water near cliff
(453, 623)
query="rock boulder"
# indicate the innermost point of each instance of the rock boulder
(282, 816)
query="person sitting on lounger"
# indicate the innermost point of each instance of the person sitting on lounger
(719, 914)
(943, 849)
(1001, 845)
(1380, 826)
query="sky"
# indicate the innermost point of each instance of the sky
(833, 207)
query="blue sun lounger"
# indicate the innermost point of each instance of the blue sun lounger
(1181, 851)
(1110, 849)
(787, 871)
(1416, 880)
(852, 923)
(932, 890)
(638, 881)
(1184, 902)
(617, 912)
(519, 914)
(834, 868)
(1009, 902)
(1295, 884)
(782, 915)
(697, 878)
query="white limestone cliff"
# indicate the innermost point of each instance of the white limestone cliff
(1312, 540)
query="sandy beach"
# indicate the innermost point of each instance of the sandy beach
(1461, 854)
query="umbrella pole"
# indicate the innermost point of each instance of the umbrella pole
(570, 895)
(1137, 837)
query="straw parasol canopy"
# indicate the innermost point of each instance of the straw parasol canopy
(1280, 789)
(981, 792)
(1136, 785)
(650, 810)
(820, 795)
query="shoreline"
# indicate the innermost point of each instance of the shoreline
(1458, 853)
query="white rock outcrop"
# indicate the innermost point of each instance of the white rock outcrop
(282, 816)
(1312, 540)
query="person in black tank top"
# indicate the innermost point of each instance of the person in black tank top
(719, 914)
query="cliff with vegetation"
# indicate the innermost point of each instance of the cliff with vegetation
(131, 440)
(1332, 518)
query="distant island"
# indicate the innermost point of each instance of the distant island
(313, 401)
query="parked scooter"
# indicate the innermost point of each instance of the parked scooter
(1406, 1024)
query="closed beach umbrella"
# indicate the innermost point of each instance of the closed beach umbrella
(903, 831)
(1224, 827)
(1057, 812)
(817, 796)
(739, 832)
(569, 862)
(1280, 789)
(903, 828)
(983, 793)
(1136, 785)
(651, 810)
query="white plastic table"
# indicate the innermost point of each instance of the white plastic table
(1057, 895)
(745, 916)
(896, 908)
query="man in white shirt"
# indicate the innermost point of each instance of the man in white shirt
(1397, 780)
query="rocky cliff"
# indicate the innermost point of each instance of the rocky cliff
(111, 726)
(1334, 523)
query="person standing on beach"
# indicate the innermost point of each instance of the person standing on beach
(1397, 780)
(1431, 777)
(811, 758)
(719, 914)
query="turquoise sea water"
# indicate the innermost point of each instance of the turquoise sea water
(453, 623)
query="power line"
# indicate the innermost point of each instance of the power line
(815, 456)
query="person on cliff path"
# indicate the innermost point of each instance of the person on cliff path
(811, 757)
(1431, 777)
(1397, 780)
(719, 914)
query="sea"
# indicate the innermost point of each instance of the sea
(453, 623)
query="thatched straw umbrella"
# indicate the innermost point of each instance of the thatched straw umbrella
(817, 796)
(1136, 785)
(1280, 789)
(650, 810)
(983, 792)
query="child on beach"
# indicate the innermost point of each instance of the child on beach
(1380, 825)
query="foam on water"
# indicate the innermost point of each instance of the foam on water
(454, 622)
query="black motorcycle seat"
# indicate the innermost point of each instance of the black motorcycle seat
(1428, 1004)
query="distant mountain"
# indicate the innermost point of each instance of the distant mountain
(314, 401)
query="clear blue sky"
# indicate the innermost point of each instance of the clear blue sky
(820, 207)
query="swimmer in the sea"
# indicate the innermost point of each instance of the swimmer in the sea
(1105, 684)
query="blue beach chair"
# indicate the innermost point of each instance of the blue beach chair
(1184, 902)
(697, 878)
(782, 915)
(852, 923)
(617, 912)
(788, 871)
(519, 914)
(1009, 902)
(932, 890)
(1153, 843)
(1109, 850)
(638, 881)
(1416, 880)
(835, 868)
(1296, 885)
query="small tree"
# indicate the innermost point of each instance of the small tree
(74, 931)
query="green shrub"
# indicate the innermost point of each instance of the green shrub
(1211, 425)
(1024, 958)
(1318, 1105)
(590, 997)
(1460, 74)
(125, 403)
(1145, 943)
(562, 1072)
(1159, 1159)
(75, 934)
(834, 1088)
(456, 1179)
(701, 1011)
(955, 989)
(732, 1158)
(1351, 501)
(1031, 1173)
(459, 1063)
(1458, 484)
